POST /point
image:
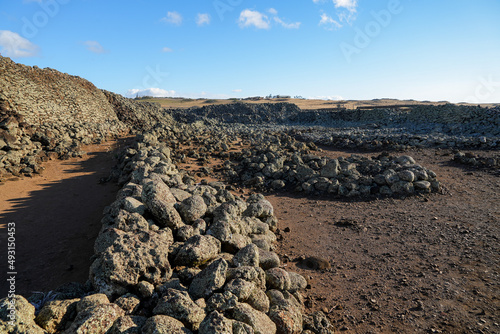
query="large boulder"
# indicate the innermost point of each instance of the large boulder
(158, 199)
(192, 208)
(55, 315)
(163, 324)
(91, 301)
(95, 320)
(209, 279)
(216, 323)
(286, 312)
(247, 256)
(179, 305)
(198, 250)
(259, 207)
(331, 169)
(259, 321)
(131, 257)
(17, 315)
(127, 325)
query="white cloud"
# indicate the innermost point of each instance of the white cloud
(165, 49)
(295, 25)
(272, 11)
(237, 90)
(347, 16)
(15, 46)
(345, 12)
(173, 18)
(348, 4)
(328, 22)
(154, 92)
(203, 19)
(94, 46)
(253, 18)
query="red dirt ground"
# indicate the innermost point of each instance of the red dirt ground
(426, 264)
(57, 216)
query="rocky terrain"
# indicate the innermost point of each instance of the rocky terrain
(190, 246)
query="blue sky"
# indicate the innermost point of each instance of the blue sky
(333, 49)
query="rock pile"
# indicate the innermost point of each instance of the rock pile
(242, 113)
(477, 160)
(23, 147)
(138, 115)
(45, 114)
(178, 257)
(46, 96)
(280, 162)
(447, 125)
(372, 137)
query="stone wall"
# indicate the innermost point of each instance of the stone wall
(46, 114)
(176, 257)
(447, 119)
(48, 96)
(138, 115)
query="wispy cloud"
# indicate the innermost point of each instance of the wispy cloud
(345, 12)
(272, 11)
(262, 21)
(95, 47)
(15, 46)
(257, 19)
(154, 92)
(348, 4)
(277, 19)
(173, 18)
(203, 19)
(237, 90)
(295, 25)
(166, 49)
(328, 22)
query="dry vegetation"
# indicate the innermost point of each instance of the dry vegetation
(301, 103)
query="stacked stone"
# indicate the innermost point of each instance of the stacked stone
(45, 114)
(272, 166)
(178, 257)
(241, 113)
(443, 126)
(138, 115)
(46, 96)
(477, 160)
(18, 153)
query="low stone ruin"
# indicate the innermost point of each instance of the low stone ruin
(280, 162)
(173, 256)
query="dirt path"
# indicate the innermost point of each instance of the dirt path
(427, 264)
(57, 217)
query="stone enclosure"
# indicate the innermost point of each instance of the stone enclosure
(177, 256)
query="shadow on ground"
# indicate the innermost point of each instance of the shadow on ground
(56, 226)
